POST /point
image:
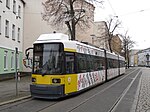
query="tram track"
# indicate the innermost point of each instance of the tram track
(100, 92)
(114, 107)
(28, 101)
(119, 99)
(49, 104)
(5, 107)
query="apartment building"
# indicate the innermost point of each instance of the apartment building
(11, 35)
(100, 34)
(34, 25)
(21, 23)
(144, 57)
(116, 44)
(133, 57)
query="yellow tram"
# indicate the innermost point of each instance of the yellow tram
(63, 67)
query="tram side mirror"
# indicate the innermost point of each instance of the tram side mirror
(28, 59)
(27, 63)
(27, 55)
(27, 52)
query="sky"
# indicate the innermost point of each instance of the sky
(134, 15)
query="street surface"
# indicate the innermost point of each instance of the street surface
(127, 93)
(8, 88)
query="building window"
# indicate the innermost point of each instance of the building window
(12, 60)
(19, 11)
(0, 24)
(14, 6)
(18, 35)
(7, 28)
(5, 60)
(13, 32)
(8, 4)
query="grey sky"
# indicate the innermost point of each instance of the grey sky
(135, 17)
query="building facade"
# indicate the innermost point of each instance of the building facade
(11, 35)
(100, 34)
(21, 23)
(133, 57)
(116, 44)
(34, 25)
(143, 57)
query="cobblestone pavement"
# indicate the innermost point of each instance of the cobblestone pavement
(142, 101)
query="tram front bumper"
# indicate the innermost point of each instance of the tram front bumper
(47, 91)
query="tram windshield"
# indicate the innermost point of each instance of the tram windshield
(48, 59)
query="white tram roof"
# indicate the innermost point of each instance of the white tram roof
(77, 46)
(44, 38)
(69, 44)
(111, 55)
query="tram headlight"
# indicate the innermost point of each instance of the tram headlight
(33, 79)
(55, 80)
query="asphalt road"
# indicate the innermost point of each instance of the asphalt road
(117, 95)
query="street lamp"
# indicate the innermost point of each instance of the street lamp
(147, 57)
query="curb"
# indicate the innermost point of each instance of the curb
(136, 98)
(15, 100)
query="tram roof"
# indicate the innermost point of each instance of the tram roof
(44, 38)
(60, 37)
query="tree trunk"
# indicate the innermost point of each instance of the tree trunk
(72, 20)
(110, 46)
(73, 29)
(109, 42)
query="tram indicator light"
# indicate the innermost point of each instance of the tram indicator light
(33, 79)
(56, 80)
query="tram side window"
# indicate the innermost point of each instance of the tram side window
(81, 60)
(122, 64)
(101, 64)
(98, 64)
(110, 63)
(89, 63)
(115, 64)
(70, 68)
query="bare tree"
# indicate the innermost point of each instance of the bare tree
(70, 12)
(112, 24)
(127, 45)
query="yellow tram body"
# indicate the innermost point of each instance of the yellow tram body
(69, 81)
(52, 86)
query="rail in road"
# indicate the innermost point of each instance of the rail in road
(117, 95)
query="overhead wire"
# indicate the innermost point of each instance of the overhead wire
(114, 13)
(139, 11)
(130, 13)
(111, 7)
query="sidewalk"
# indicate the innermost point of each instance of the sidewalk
(8, 90)
(142, 98)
